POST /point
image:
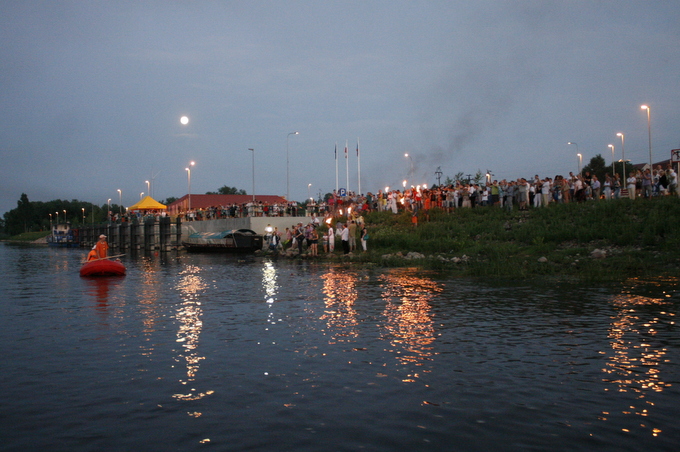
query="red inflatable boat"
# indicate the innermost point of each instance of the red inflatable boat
(102, 267)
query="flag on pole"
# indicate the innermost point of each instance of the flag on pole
(358, 169)
(336, 167)
(346, 167)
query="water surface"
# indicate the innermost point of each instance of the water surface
(192, 352)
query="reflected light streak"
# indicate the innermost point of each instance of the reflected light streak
(638, 359)
(271, 288)
(409, 325)
(340, 294)
(189, 314)
(149, 295)
(269, 283)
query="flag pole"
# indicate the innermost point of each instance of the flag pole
(358, 169)
(347, 167)
(336, 167)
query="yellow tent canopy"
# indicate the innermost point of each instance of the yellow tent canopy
(148, 203)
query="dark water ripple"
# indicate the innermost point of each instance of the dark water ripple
(238, 353)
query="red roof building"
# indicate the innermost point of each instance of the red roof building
(204, 202)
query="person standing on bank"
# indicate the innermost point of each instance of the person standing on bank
(352, 235)
(345, 239)
(314, 242)
(364, 237)
(331, 239)
(300, 237)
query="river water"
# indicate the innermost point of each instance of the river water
(215, 352)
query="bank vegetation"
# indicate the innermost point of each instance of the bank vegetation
(596, 240)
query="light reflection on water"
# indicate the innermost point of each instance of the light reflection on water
(307, 356)
(340, 294)
(191, 286)
(408, 320)
(636, 364)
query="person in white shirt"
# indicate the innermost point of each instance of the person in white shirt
(344, 235)
(630, 184)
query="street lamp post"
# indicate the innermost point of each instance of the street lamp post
(580, 161)
(108, 211)
(188, 170)
(253, 151)
(623, 157)
(83, 215)
(148, 187)
(309, 191)
(649, 133)
(141, 195)
(577, 153)
(120, 202)
(288, 167)
(613, 169)
(57, 212)
(410, 174)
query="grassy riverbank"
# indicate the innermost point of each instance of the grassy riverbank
(634, 238)
(28, 236)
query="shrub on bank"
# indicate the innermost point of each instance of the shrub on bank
(638, 238)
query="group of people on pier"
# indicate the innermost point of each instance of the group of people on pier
(308, 236)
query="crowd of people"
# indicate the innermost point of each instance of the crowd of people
(300, 236)
(521, 193)
(249, 209)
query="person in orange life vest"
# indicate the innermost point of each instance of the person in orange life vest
(99, 250)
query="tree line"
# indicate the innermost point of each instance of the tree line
(32, 216)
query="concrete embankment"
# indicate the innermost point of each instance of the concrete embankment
(257, 224)
(167, 234)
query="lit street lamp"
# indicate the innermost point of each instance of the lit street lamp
(83, 214)
(613, 169)
(410, 174)
(120, 202)
(141, 195)
(577, 153)
(188, 170)
(580, 161)
(148, 187)
(649, 133)
(287, 167)
(623, 156)
(253, 151)
(57, 217)
(309, 192)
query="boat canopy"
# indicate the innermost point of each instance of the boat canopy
(148, 203)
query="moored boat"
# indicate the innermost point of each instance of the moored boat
(62, 235)
(236, 240)
(102, 267)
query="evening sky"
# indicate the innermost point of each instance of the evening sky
(93, 91)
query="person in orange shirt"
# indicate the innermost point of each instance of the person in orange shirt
(99, 250)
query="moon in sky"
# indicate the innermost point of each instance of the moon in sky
(184, 120)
